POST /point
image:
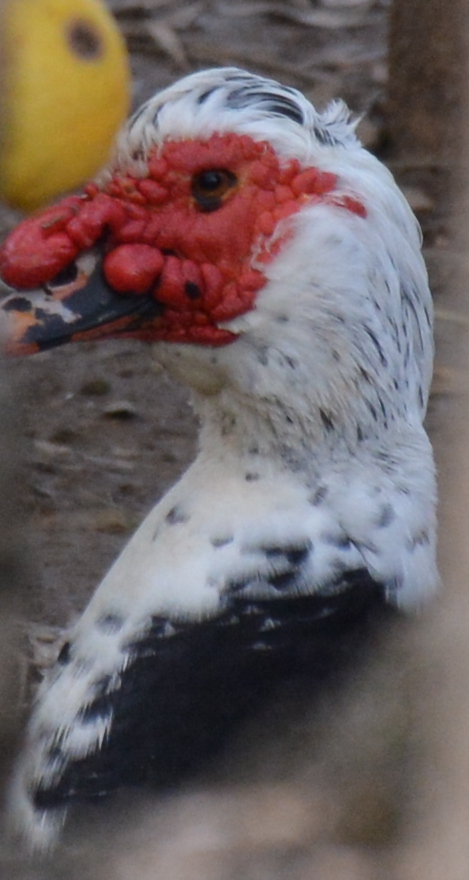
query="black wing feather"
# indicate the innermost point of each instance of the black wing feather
(182, 695)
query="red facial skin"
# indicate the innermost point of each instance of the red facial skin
(161, 240)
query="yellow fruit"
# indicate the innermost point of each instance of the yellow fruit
(65, 87)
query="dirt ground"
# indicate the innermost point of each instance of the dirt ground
(104, 433)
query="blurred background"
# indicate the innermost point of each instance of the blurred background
(372, 781)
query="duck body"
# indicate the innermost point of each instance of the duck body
(277, 268)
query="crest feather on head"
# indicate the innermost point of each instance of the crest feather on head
(229, 99)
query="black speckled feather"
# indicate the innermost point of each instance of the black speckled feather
(182, 694)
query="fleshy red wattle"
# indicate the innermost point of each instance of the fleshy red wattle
(158, 239)
(39, 247)
(133, 268)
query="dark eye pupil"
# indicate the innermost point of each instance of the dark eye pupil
(210, 180)
(210, 187)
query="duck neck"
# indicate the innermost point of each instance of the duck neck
(273, 434)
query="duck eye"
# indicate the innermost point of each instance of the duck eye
(210, 187)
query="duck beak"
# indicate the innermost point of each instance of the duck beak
(77, 305)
